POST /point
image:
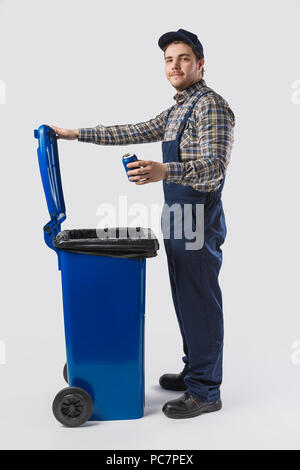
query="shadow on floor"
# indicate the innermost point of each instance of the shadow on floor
(155, 400)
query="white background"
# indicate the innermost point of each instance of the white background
(77, 64)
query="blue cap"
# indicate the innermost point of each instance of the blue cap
(181, 35)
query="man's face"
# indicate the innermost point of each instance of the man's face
(181, 66)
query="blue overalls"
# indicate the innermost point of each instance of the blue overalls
(194, 283)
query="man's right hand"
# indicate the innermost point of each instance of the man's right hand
(68, 134)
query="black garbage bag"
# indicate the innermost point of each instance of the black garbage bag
(118, 242)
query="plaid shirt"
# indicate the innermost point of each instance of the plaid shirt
(205, 144)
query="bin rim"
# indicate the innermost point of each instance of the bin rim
(88, 241)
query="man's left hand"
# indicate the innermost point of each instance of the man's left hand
(147, 171)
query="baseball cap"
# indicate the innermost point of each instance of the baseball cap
(181, 34)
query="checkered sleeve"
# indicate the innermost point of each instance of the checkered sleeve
(149, 131)
(208, 153)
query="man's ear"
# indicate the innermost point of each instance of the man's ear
(200, 63)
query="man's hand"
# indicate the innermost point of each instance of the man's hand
(147, 171)
(68, 134)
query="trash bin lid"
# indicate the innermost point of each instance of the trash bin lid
(50, 172)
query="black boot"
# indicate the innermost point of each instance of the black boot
(188, 406)
(172, 382)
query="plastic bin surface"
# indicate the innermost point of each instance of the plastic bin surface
(104, 306)
(50, 171)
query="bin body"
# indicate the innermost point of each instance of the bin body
(103, 288)
(104, 308)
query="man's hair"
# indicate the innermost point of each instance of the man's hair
(197, 53)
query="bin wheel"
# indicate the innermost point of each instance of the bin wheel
(72, 406)
(65, 373)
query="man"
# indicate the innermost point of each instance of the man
(197, 135)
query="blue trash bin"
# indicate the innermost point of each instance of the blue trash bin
(103, 285)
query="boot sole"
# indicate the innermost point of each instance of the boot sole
(200, 411)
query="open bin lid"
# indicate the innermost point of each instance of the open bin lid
(50, 172)
(119, 242)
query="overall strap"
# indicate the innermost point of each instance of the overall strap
(187, 115)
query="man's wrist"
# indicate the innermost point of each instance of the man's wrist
(166, 170)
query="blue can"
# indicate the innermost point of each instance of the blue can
(128, 158)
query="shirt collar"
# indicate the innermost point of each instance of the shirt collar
(181, 97)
